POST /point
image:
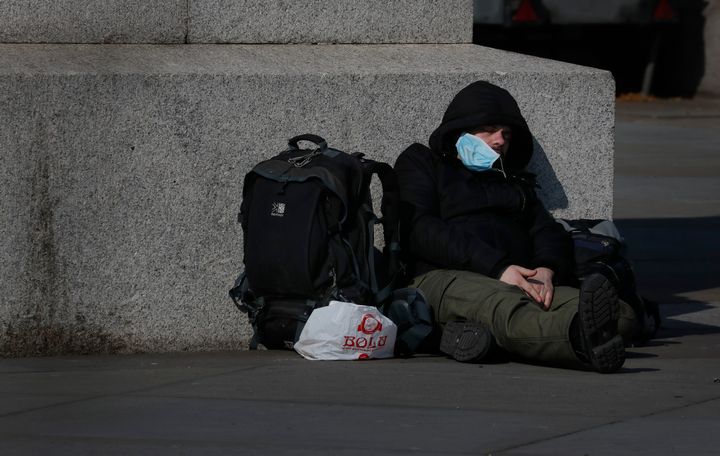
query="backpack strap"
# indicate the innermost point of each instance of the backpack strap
(597, 226)
(310, 305)
(390, 209)
(247, 303)
(260, 303)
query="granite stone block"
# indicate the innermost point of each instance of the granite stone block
(121, 168)
(330, 21)
(93, 21)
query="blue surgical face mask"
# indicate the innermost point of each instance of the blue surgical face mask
(475, 154)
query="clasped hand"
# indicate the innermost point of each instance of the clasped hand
(536, 283)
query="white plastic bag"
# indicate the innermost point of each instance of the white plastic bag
(347, 331)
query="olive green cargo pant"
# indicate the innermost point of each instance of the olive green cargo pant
(520, 325)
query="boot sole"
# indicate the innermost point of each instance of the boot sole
(598, 312)
(466, 342)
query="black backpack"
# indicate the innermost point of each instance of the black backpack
(599, 247)
(308, 238)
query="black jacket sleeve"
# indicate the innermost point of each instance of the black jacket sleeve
(551, 244)
(426, 235)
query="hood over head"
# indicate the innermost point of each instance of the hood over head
(483, 103)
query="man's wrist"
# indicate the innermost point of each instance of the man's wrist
(499, 270)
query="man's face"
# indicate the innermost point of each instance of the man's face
(496, 136)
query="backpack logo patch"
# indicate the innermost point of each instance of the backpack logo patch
(278, 210)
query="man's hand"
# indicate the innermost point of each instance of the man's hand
(536, 283)
(542, 282)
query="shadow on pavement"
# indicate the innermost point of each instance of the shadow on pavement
(677, 263)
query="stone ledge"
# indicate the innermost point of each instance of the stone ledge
(236, 21)
(331, 21)
(296, 60)
(122, 168)
(93, 21)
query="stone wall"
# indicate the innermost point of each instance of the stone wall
(235, 21)
(121, 165)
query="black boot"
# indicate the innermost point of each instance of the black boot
(594, 332)
(466, 341)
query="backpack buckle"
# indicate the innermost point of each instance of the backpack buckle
(303, 160)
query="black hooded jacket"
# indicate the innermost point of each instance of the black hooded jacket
(454, 218)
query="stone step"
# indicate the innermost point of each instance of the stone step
(236, 21)
(121, 168)
(93, 21)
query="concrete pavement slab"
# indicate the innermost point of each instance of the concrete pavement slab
(278, 403)
(99, 376)
(437, 383)
(280, 427)
(674, 256)
(697, 199)
(692, 431)
(13, 402)
(667, 182)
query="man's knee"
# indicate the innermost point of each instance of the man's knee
(462, 295)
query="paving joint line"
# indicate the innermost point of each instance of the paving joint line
(609, 423)
(120, 393)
